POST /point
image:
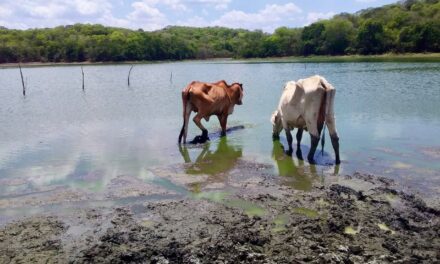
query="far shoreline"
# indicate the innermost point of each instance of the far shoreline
(388, 57)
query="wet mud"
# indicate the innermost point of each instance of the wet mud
(252, 218)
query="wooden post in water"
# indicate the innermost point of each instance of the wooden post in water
(82, 71)
(22, 80)
(171, 77)
(129, 72)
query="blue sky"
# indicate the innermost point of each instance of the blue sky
(156, 14)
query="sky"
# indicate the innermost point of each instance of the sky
(156, 14)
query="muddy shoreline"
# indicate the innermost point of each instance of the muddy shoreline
(354, 219)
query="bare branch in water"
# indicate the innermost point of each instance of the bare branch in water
(22, 80)
(82, 71)
(129, 72)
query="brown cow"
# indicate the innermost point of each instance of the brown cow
(207, 99)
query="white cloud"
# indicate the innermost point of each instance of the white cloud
(86, 7)
(49, 13)
(5, 12)
(314, 16)
(182, 5)
(150, 14)
(49, 10)
(217, 4)
(173, 4)
(196, 21)
(143, 10)
(366, 1)
(269, 18)
(146, 16)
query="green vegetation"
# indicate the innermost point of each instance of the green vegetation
(407, 26)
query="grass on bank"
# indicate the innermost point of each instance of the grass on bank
(389, 57)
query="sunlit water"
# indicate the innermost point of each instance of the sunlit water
(387, 114)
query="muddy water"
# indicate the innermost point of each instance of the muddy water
(64, 146)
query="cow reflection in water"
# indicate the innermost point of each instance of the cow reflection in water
(296, 176)
(213, 163)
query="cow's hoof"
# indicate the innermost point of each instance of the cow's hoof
(299, 154)
(199, 140)
(338, 161)
(311, 160)
(275, 137)
(204, 133)
(289, 152)
(223, 134)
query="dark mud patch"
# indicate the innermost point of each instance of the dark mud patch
(335, 223)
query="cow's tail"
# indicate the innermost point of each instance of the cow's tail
(325, 108)
(185, 101)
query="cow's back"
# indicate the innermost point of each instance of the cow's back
(302, 100)
(291, 105)
(210, 97)
(314, 96)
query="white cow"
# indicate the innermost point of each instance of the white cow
(307, 104)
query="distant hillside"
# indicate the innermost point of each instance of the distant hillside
(407, 26)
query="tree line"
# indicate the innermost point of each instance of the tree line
(406, 26)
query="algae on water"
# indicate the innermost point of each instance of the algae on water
(384, 227)
(306, 211)
(249, 208)
(351, 231)
(280, 223)
(211, 196)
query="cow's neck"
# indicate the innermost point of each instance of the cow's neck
(227, 94)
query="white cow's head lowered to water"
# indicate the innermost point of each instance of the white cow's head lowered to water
(277, 125)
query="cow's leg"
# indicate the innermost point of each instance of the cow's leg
(331, 124)
(197, 120)
(299, 135)
(223, 121)
(320, 126)
(289, 141)
(334, 137)
(186, 122)
(314, 138)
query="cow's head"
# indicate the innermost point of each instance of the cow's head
(237, 90)
(277, 125)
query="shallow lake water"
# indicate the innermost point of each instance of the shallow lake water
(387, 115)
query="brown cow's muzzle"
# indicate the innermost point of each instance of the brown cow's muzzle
(239, 102)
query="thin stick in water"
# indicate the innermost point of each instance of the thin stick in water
(82, 71)
(129, 72)
(171, 77)
(22, 80)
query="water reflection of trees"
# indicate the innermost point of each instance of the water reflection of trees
(221, 160)
(295, 172)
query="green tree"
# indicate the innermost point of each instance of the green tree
(313, 39)
(371, 37)
(339, 35)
